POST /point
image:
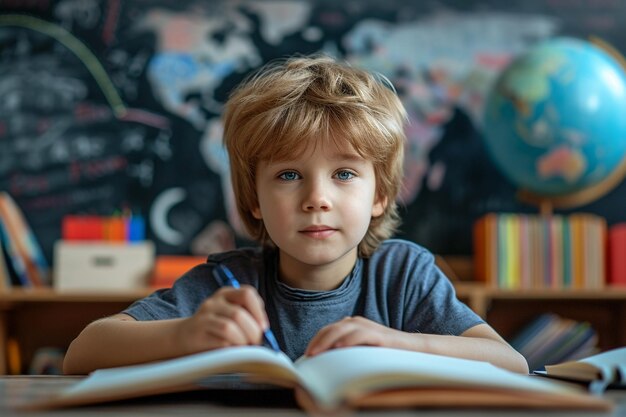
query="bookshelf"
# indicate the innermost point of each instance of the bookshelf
(508, 311)
(44, 317)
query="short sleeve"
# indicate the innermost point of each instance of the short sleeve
(196, 285)
(182, 300)
(431, 305)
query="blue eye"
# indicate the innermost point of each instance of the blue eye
(289, 176)
(345, 175)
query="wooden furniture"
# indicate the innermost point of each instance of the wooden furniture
(44, 317)
(508, 311)
(268, 401)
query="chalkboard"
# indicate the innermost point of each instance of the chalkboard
(113, 106)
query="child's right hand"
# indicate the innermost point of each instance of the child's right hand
(230, 317)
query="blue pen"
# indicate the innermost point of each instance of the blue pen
(224, 276)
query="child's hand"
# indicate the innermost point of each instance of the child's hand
(352, 331)
(230, 317)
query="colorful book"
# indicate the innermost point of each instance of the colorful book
(5, 272)
(529, 332)
(26, 242)
(550, 339)
(518, 251)
(13, 256)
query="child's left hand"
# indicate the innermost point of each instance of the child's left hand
(353, 331)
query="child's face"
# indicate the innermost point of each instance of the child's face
(318, 206)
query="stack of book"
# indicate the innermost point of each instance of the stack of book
(551, 339)
(22, 262)
(517, 251)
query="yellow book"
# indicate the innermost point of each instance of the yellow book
(513, 251)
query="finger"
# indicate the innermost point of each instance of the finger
(248, 298)
(356, 337)
(245, 323)
(326, 338)
(224, 331)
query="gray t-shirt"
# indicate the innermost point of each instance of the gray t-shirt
(398, 286)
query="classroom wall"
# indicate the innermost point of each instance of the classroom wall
(113, 106)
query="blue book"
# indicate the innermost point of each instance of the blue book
(19, 233)
(520, 340)
(17, 263)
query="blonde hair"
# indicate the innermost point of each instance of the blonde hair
(292, 103)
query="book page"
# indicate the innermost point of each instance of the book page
(611, 364)
(132, 381)
(611, 357)
(334, 375)
(603, 366)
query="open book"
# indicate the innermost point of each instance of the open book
(355, 377)
(608, 368)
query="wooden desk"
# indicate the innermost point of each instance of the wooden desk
(267, 402)
(44, 317)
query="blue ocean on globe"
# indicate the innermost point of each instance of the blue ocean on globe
(555, 119)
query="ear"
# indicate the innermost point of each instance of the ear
(380, 204)
(256, 212)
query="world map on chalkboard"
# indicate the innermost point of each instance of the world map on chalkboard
(109, 106)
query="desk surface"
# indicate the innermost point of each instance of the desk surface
(259, 403)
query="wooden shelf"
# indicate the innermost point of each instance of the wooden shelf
(508, 311)
(22, 295)
(479, 297)
(44, 317)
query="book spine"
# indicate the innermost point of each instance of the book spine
(5, 274)
(16, 236)
(23, 234)
(16, 260)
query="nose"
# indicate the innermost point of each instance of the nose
(316, 197)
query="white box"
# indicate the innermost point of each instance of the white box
(102, 266)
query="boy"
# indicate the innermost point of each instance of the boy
(316, 151)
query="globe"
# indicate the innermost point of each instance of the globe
(555, 121)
